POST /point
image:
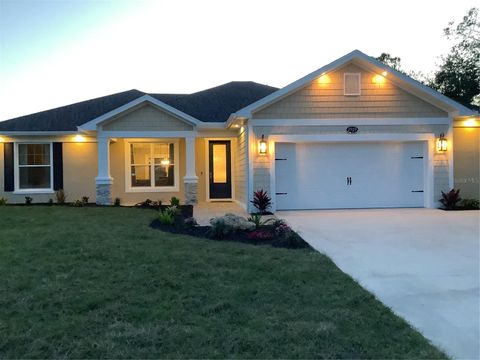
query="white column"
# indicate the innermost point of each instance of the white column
(190, 179)
(103, 180)
(190, 174)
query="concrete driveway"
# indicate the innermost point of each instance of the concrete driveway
(422, 263)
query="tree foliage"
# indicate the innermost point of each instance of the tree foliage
(459, 74)
(393, 61)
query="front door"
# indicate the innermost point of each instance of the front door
(220, 170)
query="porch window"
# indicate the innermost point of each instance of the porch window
(152, 165)
(34, 167)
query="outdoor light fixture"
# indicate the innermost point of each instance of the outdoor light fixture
(442, 143)
(262, 146)
(165, 162)
(79, 138)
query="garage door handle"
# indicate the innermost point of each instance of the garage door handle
(349, 180)
(417, 190)
(280, 193)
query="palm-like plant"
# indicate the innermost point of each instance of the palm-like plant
(261, 201)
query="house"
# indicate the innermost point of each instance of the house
(352, 134)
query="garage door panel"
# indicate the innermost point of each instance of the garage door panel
(315, 175)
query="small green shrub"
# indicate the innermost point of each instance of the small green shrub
(3, 201)
(174, 201)
(60, 196)
(470, 204)
(28, 200)
(117, 202)
(257, 220)
(85, 200)
(78, 203)
(169, 216)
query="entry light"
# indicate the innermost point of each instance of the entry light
(165, 162)
(262, 146)
(470, 123)
(442, 143)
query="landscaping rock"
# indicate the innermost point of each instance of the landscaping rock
(234, 222)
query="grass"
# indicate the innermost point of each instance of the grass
(98, 282)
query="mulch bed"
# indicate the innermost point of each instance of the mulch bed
(242, 237)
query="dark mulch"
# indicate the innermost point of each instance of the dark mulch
(295, 242)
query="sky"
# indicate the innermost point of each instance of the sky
(54, 53)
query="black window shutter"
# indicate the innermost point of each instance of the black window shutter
(8, 171)
(57, 166)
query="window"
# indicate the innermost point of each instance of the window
(34, 167)
(152, 166)
(351, 84)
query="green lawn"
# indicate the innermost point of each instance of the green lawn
(98, 282)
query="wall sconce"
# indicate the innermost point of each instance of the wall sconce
(79, 138)
(262, 146)
(442, 143)
(165, 162)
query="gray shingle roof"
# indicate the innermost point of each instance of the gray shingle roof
(211, 105)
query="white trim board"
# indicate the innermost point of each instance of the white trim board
(147, 134)
(351, 121)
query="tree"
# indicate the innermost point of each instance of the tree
(459, 74)
(392, 61)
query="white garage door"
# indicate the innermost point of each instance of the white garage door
(349, 175)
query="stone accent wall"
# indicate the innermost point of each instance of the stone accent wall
(191, 193)
(104, 194)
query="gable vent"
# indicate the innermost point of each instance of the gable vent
(351, 84)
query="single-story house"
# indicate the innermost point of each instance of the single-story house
(353, 134)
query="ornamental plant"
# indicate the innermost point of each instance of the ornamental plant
(261, 201)
(449, 200)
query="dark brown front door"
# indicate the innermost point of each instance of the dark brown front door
(220, 166)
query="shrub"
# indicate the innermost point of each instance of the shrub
(85, 200)
(174, 201)
(449, 200)
(117, 202)
(169, 215)
(28, 200)
(261, 201)
(470, 204)
(3, 201)
(257, 220)
(60, 196)
(78, 203)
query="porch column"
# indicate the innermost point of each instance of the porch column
(190, 179)
(103, 181)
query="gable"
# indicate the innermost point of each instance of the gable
(324, 98)
(146, 117)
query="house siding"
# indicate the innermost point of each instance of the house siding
(147, 118)
(327, 101)
(79, 171)
(241, 167)
(466, 160)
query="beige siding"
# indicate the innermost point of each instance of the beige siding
(241, 167)
(117, 171)
(147, 118)
(466, 160)
(261, 164)
(319, 101)
(79, 171)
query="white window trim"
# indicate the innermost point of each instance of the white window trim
(149, 189)
(16, 172)
(359, 76)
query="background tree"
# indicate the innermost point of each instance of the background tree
(459, 74)
(392, 61)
